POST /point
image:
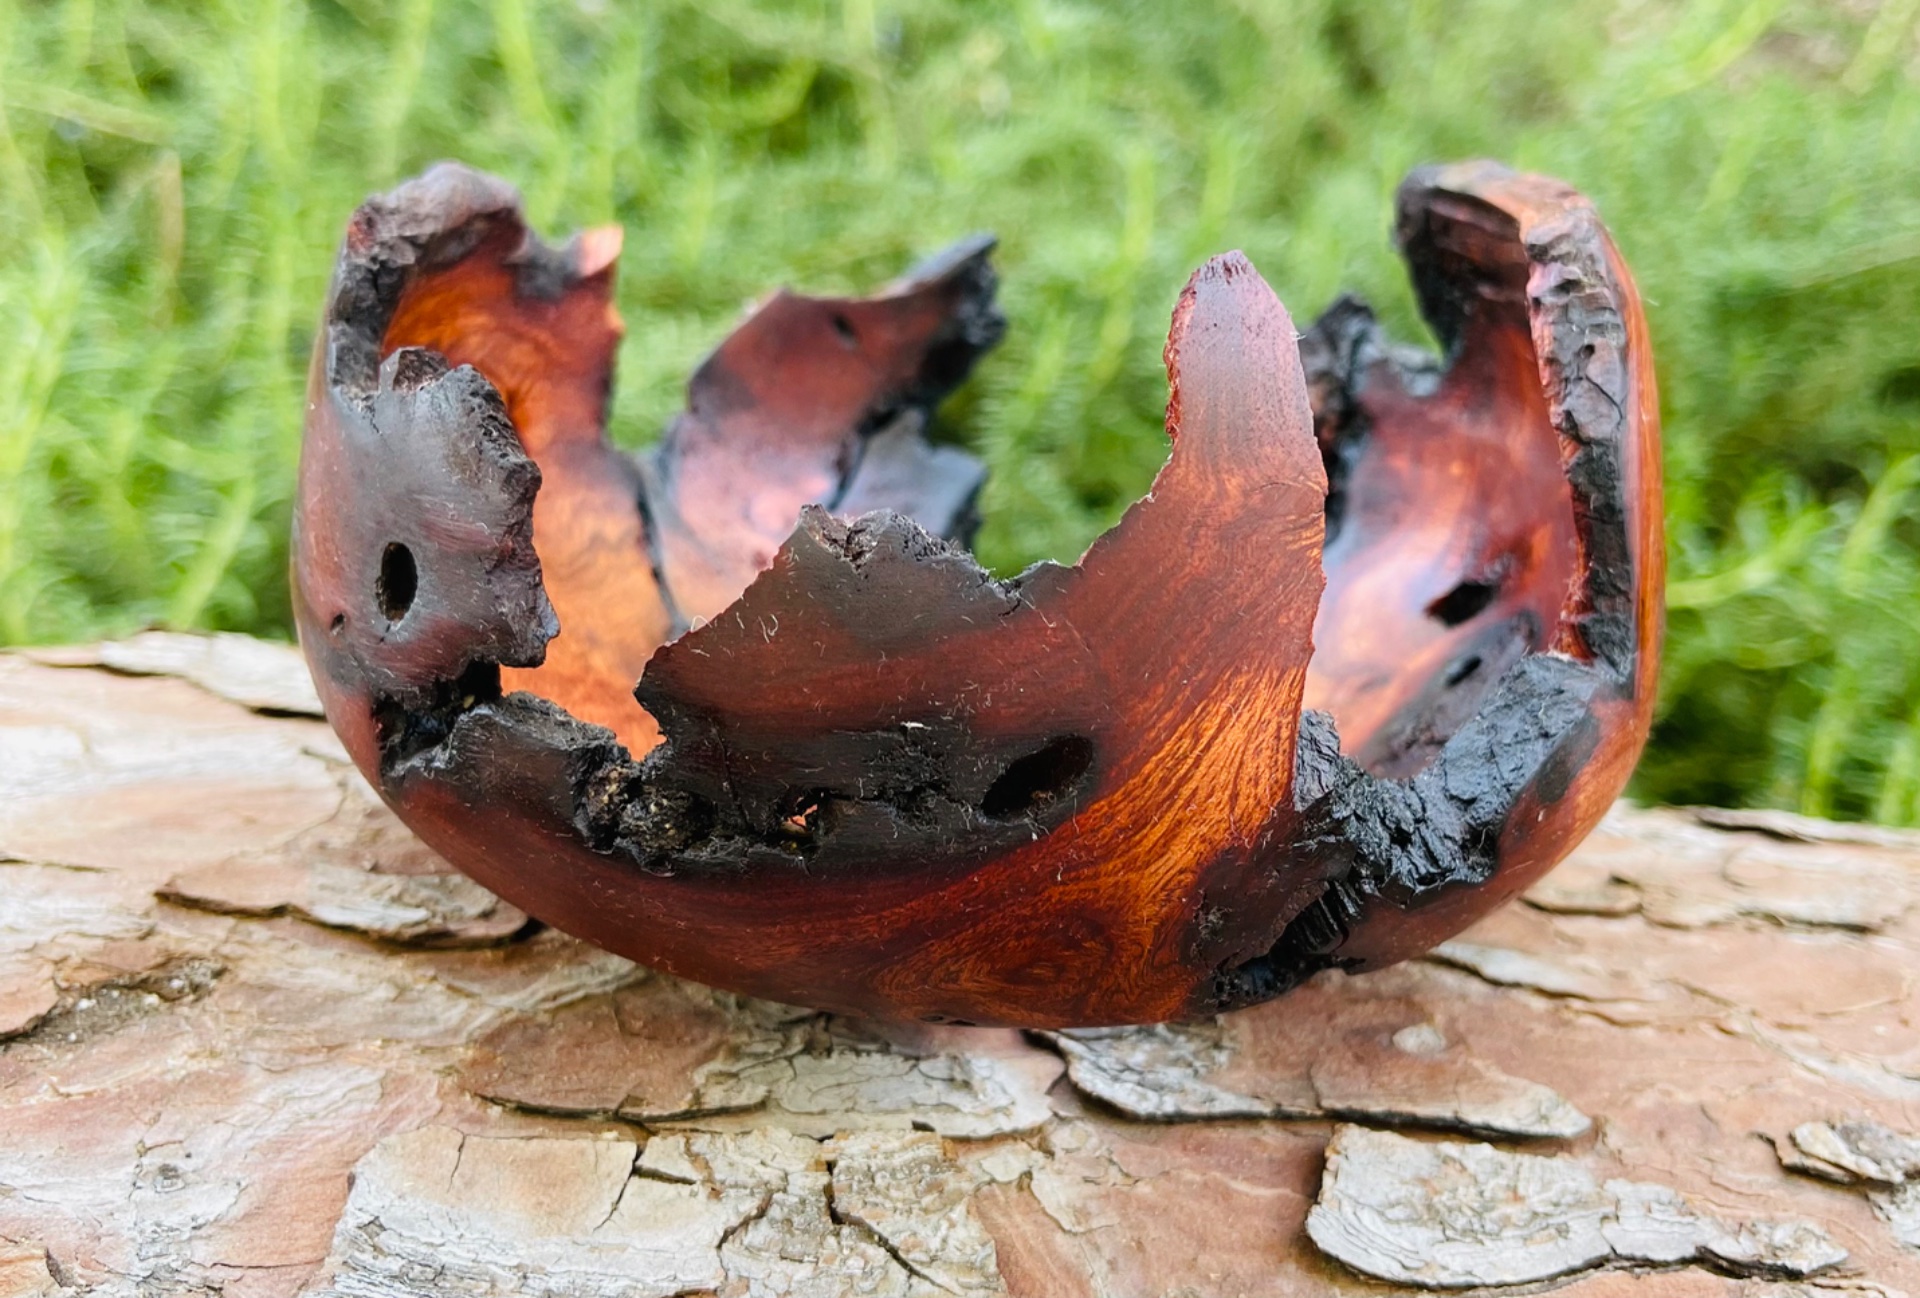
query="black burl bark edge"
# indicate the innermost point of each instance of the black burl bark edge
(1393, 842)
(1402, 842)
(412, 438)
(450, 725)
(416, 428)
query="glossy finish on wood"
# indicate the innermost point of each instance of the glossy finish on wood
(861, 773)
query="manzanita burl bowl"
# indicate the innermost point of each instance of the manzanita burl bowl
(1376, 651)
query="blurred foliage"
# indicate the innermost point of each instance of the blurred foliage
(174, 174)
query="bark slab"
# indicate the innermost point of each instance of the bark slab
(255, 1041)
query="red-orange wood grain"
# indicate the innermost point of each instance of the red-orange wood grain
(1496, 216)
(892, 784)
(547, 341)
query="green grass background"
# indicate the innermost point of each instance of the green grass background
(174, 175)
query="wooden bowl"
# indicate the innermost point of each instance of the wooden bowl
(1376, 651)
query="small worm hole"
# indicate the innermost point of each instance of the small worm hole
(398, 582)
(1463, 603)
(1039, 779)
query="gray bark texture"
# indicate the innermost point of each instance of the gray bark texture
(255, 1040)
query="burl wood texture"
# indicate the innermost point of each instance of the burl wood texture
(1086, 902)
(1511, 508)
(818, 401)
(256, 1040)
(862, 774)
(543, 330)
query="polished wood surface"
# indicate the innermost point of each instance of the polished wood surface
(1535, 256)
(543, 330)
(863, 774)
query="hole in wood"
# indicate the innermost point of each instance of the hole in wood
(1039, 779)
(398, 582)
(1463, 603)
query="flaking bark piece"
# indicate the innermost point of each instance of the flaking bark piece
(1854, 1151)
(918, 1203)
(424, 910)
(357, 870)
(1322, 1053)
(1868, 1155)
(883, 1213)
(1452, 1216)
(539, 1216)
(256, 674)
(665, 1052)
(892, 784)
